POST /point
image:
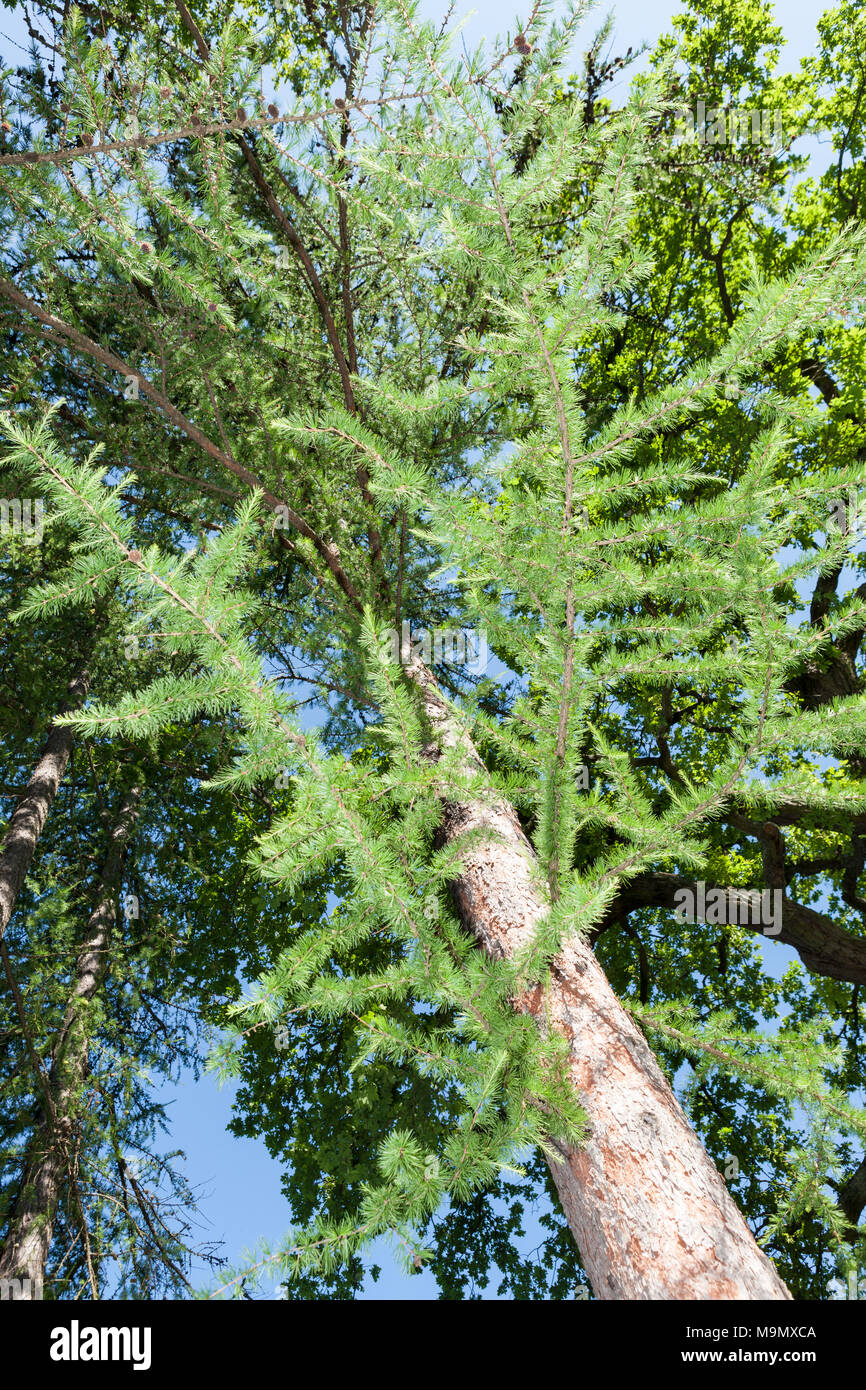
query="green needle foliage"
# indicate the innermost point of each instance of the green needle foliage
(439, 391)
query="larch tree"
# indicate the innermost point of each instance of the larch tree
(358, 362)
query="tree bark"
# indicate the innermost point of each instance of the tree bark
(29, 817)
(651, 1215)
(852, 1199)
(25, 1251)
(823, 946)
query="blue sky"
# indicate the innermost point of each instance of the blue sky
(240, 1196)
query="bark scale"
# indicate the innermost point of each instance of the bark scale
(649, 1211)
(24, 1254)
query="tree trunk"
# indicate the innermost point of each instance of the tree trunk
(25, 1251)
(28, 818)
(651, 1215)
(852, 1199)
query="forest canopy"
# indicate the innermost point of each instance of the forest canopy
(432, 599)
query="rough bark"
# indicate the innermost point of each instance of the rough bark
(25, 1251)
(29, 817)
(651, 1215)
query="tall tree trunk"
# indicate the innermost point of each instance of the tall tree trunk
(651, 1215)
(29, 817)
(25, 1250)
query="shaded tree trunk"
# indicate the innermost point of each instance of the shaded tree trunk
(852, 1199)
(648, 1210)
(28, 819)
(25, 1251)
